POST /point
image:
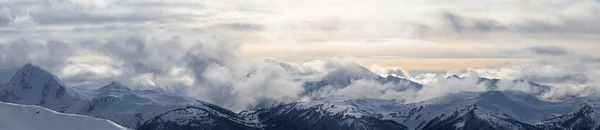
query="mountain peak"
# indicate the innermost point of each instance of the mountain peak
(29, 68)
(114, 86)
(28, 65)
(32, 85)
(345, 74)
(30, 73)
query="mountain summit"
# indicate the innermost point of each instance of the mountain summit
(114, 86)
(344, 75)
(32, 85)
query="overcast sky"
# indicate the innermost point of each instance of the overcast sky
(89, 43)
(413, 34)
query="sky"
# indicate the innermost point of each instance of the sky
(206, 48)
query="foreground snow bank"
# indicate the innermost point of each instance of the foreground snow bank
(27, 117)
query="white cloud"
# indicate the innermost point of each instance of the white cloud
(193, 46)
(394, 71)
(245, 88)
(367, 89)
(567, 73)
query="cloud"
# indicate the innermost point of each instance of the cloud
(547, 50)
(297, 21)
(212, 70)
(243, 86)
(394, 71)
(193, 47)
(366, 89)
(568, 73)
(47, 54)
(555, 64)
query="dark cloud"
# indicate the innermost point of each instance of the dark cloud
(454, 21)
(568, 28)
(239, 26)
(74, 18)
(547, 50)
(460, 24)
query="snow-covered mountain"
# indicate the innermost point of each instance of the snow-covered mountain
(497, 84)
(28, 117)
(156, 109)
(130, 108)
(344, 76)
(209, 117)
(491, 110)
(33, 86)
(467, 110)
(340, 114)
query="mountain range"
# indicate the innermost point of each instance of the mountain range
(37, 90)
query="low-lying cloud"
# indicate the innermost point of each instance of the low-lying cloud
(218, 74)
(193, 47)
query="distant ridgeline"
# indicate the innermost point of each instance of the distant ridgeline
(160, 110)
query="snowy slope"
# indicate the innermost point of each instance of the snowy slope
(500, 84)
(24, 117)
(500, 107)
(509, 109)
(491, 110)
(32, 85)
(330, 114)
(209, 117)
(583, 118)
(130, 108)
